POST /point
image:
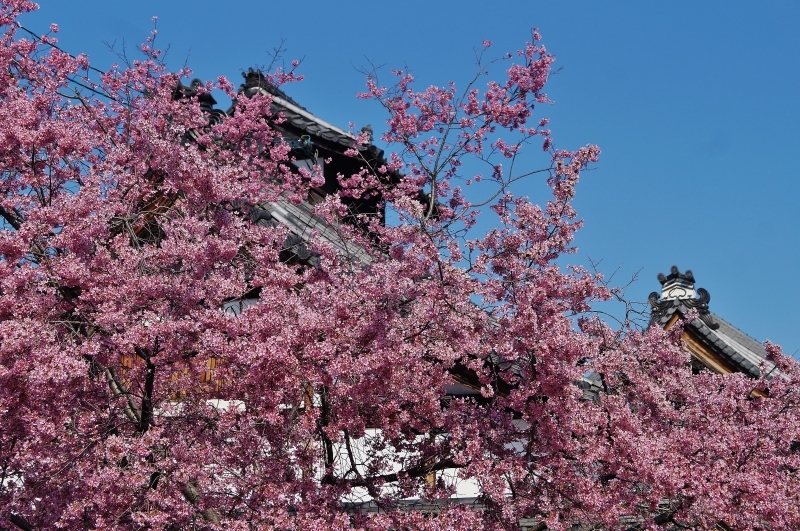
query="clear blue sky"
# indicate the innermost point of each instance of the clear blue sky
(696, 106)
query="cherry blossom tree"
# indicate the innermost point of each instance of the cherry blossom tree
(127, 230)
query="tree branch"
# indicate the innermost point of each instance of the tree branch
(13, 219)
(19, 522)
(413, 472)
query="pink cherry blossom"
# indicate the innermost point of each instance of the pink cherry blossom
(131, 399)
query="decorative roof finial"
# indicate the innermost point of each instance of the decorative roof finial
(254, 78)
(677, 285)
(205, 98)
(367, 129)
(677, 290)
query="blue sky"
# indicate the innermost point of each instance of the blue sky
(696, 106)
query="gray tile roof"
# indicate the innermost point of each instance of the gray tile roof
(300, 120)
(303, 224)
(591, 385)
(735, 346)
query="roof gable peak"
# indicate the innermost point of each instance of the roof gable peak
(678, 293)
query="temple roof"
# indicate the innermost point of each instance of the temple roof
(306, 134)
(679, 296)
(300, 120)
